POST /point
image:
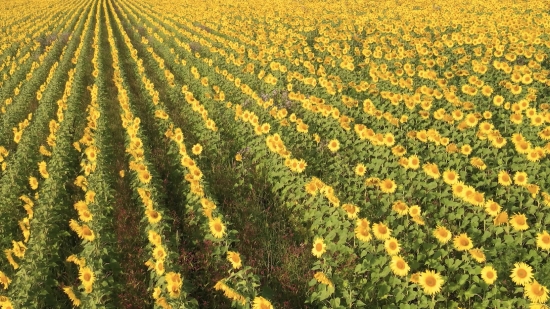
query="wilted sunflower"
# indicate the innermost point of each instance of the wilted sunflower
(431, 282)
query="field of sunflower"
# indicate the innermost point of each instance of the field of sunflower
(282, 154)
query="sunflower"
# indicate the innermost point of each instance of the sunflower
(360, 169)
(388, 186)
(159, 268)
(415, 211)
(415, 278)
(520, 178)
(322, 278)
(399, 266)
(33, 182)
(261, 303)
(477, 254)
(235, 259)
(42, 168)
(521, 274)
(362, 230)
(466, 149)
(462, 242)
(492, 208)
(392, 246)
(504, 178)
(431, 170)
(217, 228)
(319, 247)
(174, 283)
(450, 177)
(334, 145)
(154, 238)
(536, 292)
(489, 274)
(399, 151)
(519, 222)
(144, 176)
(70, 293)
(400, 207)
(543, 240)
(501, 218)
(86, 276)
(351, 210)
(197, 149)
(478, 163)
(442, 234)
(381, 231)
(431, 282)
(459, 189)
(153, 216)
(4, 280)
(159, 253)
(414, 162)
